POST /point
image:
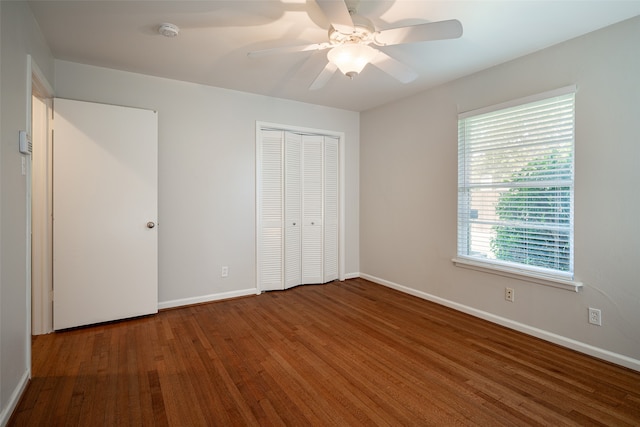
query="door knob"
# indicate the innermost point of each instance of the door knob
(151, 224)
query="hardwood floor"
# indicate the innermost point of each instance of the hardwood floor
(346, 353)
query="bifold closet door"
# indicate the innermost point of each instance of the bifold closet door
(270, 198)
(293, 209)
(298, 216)
(331, 209)
(312, 209)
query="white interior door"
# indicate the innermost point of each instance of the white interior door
(105, 211)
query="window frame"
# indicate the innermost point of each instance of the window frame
(544, 276)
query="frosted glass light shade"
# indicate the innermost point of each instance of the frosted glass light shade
(351, 58)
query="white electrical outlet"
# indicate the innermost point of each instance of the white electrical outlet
(509, 294)
(225, 271)
(595, 316)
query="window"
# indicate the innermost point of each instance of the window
(515, 186)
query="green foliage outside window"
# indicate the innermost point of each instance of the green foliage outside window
(535, 216)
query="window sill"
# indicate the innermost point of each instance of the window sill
(517, 273)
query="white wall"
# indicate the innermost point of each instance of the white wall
(408, 190)
(20, 36)
(207, 172)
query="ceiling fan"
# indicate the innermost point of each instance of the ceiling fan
(353, 42)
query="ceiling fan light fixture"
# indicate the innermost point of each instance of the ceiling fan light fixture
(351, 58)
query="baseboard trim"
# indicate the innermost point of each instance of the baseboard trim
(6, 413)
(206, 298)
(223, 295)
(600, 353)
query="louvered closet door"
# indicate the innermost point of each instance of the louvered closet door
(312, 209)
(298, 209)
(293, 210)
(270, 235)
(331, 220)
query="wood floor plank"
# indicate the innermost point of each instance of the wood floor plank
(345, 353)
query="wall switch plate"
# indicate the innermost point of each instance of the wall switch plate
(225, 271)
(509, 294)
(595, 316)
(24, 142)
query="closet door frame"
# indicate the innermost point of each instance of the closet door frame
(262, 126)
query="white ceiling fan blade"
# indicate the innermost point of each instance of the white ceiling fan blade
(337, 13)
(287, 49)
(312, 64)
(324, 76)
(394, 68)
(451, 29)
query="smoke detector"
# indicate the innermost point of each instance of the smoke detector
(168, 30)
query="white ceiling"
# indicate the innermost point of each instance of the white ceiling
(216, 36)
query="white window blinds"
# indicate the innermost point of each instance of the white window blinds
(515, 185)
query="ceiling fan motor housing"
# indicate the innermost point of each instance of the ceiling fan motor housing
(363, 32)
